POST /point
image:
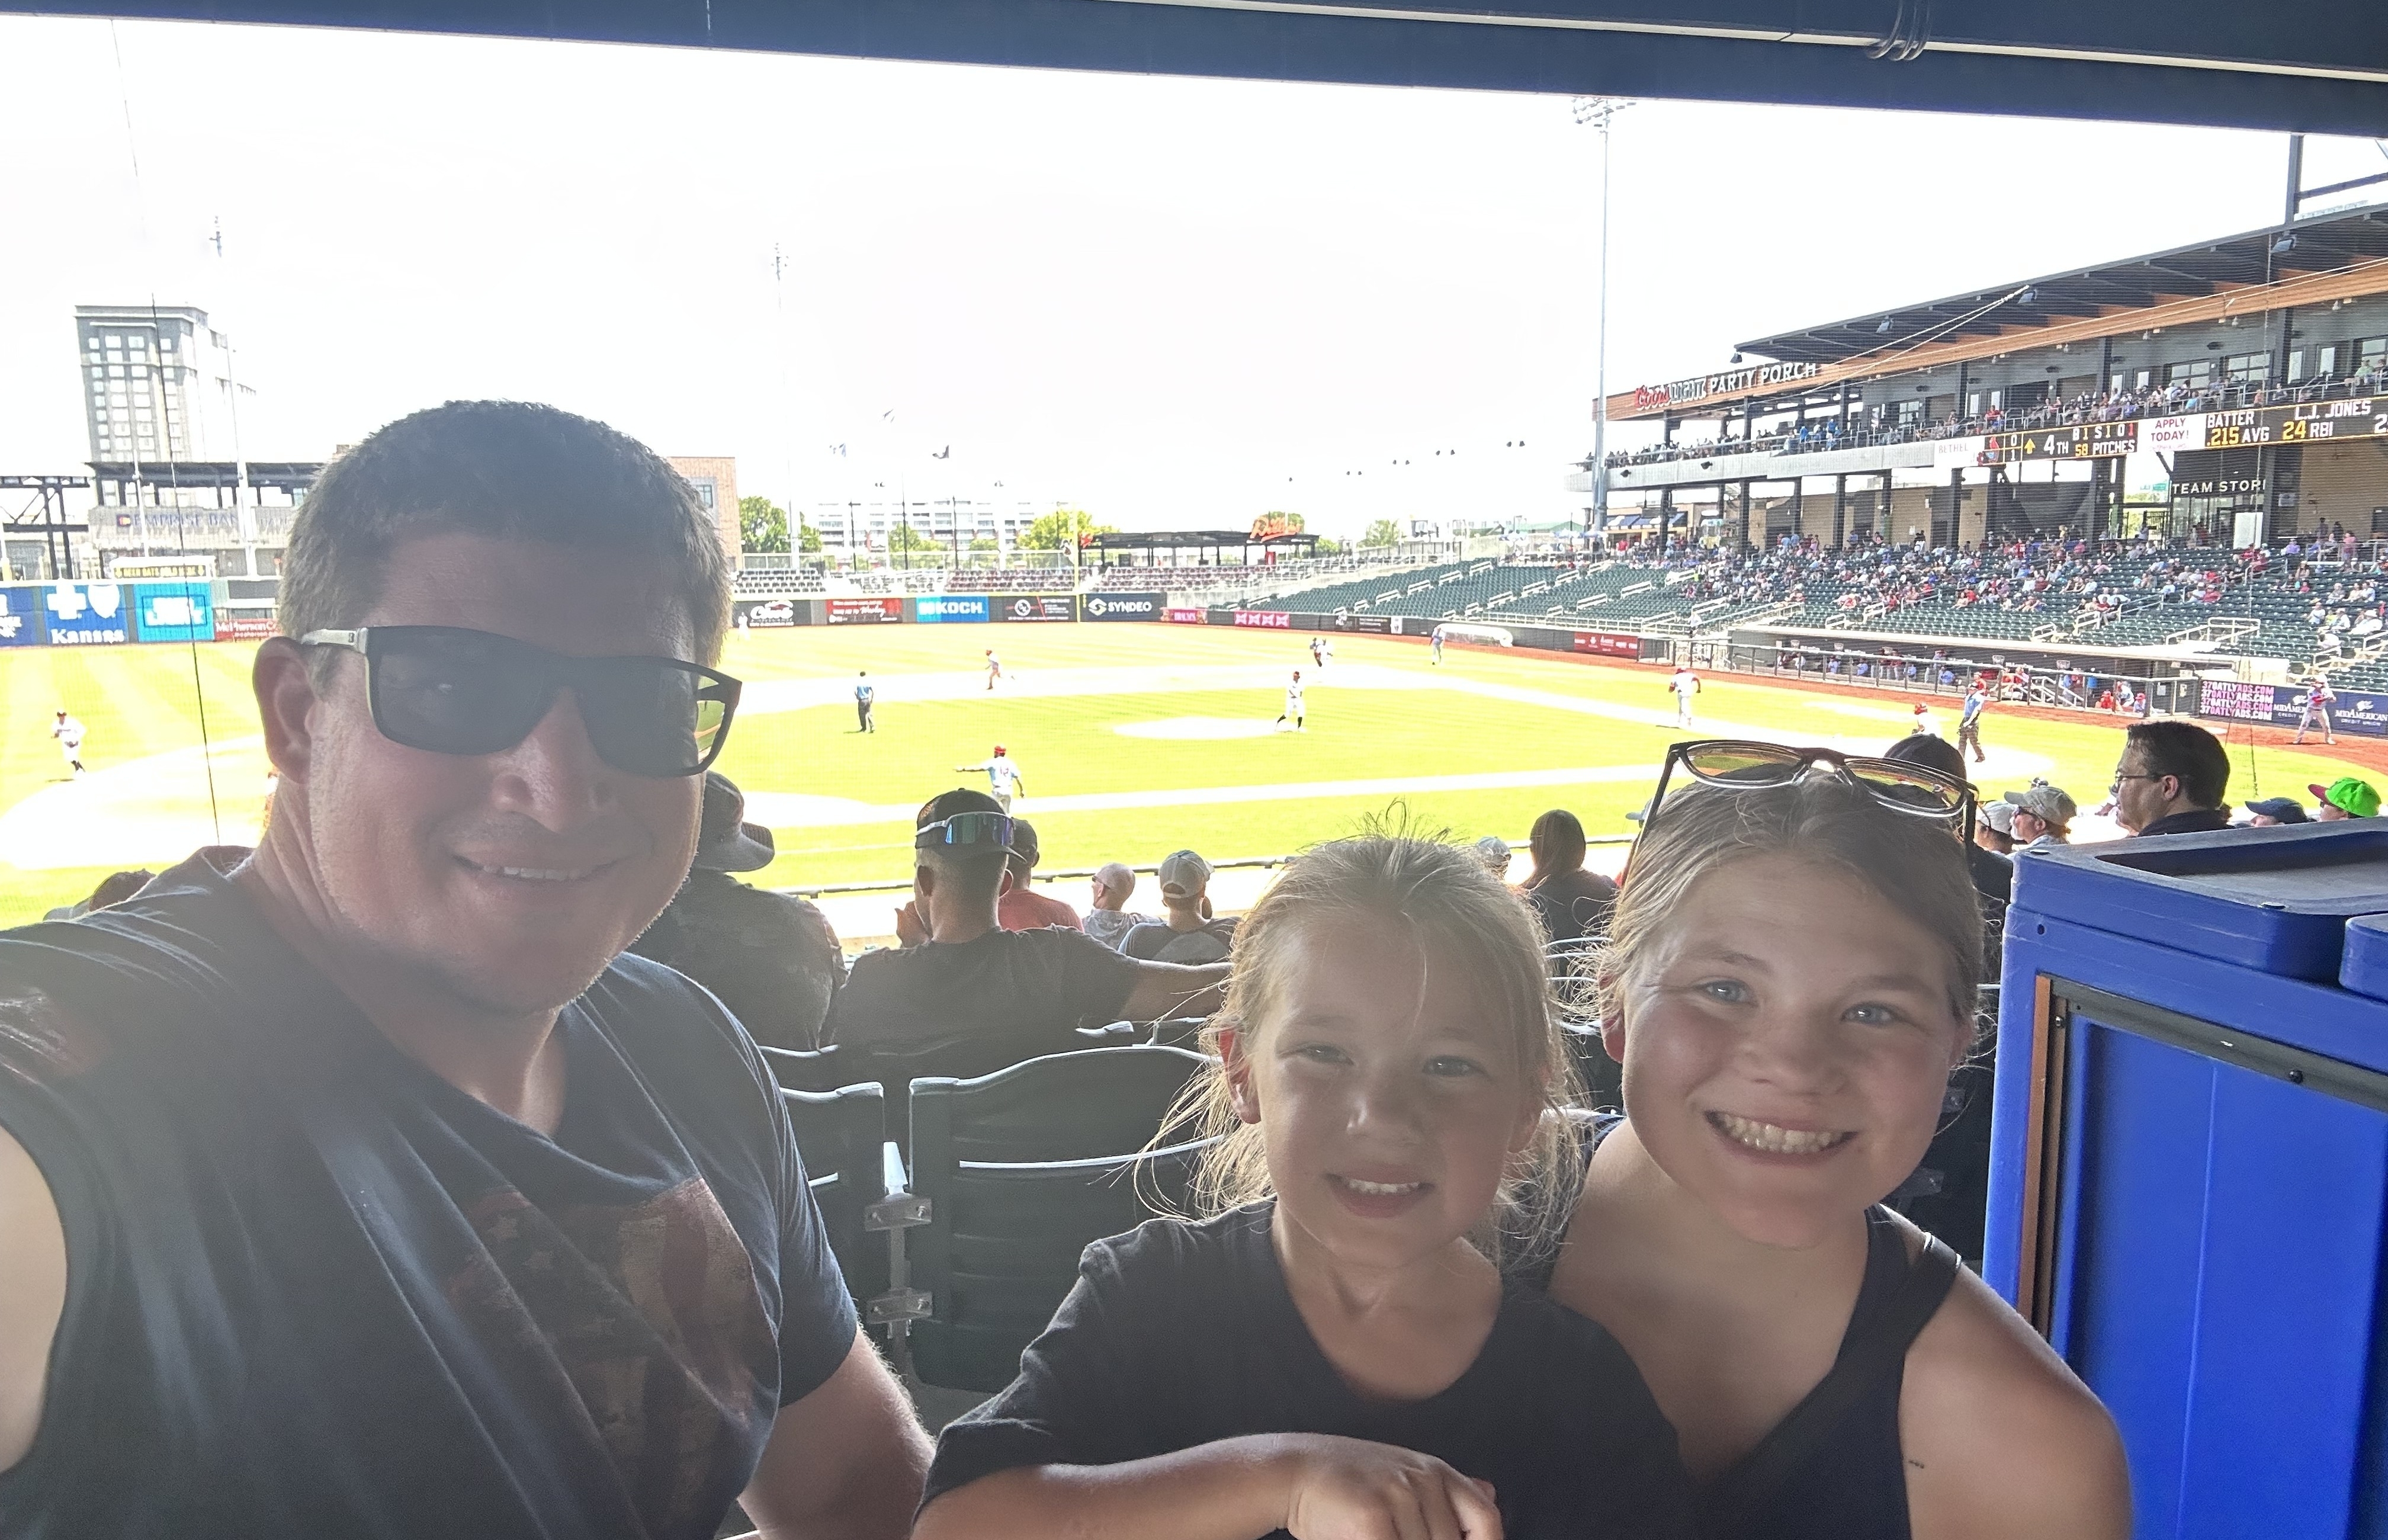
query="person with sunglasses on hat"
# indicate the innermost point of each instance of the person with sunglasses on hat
(2043, 815)
(361, 1184)
(2348, 796)
(959, 973)
(771, 958)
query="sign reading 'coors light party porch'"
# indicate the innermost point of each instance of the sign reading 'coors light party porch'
(1649, 398)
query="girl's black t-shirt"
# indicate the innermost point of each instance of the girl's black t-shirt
(1182, 1334)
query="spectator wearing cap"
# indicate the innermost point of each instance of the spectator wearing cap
(2346, 798)
(1994, 831)
(2043, 815)
(1185, 933)
(960, 973)
(1495, 853)
(1023, 907)
(2172, 779)
(1109, 922)
(2273, 811)
(771, 958)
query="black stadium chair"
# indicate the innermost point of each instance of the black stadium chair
(1021, 1169)
(958, 1056)
(842, 1136)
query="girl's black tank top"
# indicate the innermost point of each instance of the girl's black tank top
(1833, 1469)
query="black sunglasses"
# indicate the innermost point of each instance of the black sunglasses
(452, 691)
(1738, 765)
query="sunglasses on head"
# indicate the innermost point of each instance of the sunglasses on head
(970, 828)
(452, 691)
(1735, 765)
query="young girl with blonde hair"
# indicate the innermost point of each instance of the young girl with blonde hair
(1337, 1352)
(1791, 978)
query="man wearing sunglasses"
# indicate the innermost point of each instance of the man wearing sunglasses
(355, 1186)
(958, 972)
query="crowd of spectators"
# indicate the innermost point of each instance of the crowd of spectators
(1872, 425)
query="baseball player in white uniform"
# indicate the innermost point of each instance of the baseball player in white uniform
(1003, 777)
(1686, 684)
(1292, 712)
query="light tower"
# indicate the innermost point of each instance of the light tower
(1599, 112)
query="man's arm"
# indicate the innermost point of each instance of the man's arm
(1164, 989)
(32, 1295)
(847, 1460)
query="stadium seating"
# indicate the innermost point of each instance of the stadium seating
(843, 1136)
(1021, 1169)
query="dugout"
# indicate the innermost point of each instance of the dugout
(2189, 1170)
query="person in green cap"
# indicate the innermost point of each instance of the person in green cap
(2346, 798)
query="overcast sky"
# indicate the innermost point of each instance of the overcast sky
(1175, 302)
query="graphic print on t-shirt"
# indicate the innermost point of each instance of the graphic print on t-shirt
(596, 1303)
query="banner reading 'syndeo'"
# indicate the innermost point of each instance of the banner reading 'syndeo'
(1121, 606)
(951, 609)
(83, 615)
(864, 612)
(1037, 606)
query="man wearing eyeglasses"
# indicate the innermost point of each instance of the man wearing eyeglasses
(2174, 778)
(357, 1185)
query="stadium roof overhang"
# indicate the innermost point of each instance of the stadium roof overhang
(1116, 542)
(2189, 61)
(2333, 256)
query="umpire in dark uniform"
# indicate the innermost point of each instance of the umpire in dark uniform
(771, 958)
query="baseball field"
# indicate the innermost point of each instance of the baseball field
(1133, 741)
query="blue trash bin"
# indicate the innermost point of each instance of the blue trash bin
(2189, 1163)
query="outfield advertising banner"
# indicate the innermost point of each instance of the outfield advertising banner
(1121, 606)
(1185, 616)
(1609, 644)
(20, 616)
(1039, 606)
(1380, 625)
(83, 614)
(1265, 620)
(864, 612)
(173, 612)
(2284, 705)
(767, 614)
(244, 625)
(952, 609)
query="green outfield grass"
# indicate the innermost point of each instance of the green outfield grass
(144, 701)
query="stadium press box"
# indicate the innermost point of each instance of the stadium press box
(2190, 1165)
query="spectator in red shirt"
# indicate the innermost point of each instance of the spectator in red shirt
(1022, 908)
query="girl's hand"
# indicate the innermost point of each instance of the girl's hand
(1349, 1489)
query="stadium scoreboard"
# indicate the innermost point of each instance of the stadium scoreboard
(2074, 441)
(2302, 423)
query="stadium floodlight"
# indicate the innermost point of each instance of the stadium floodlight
(1883, 330)
(1598, 112)
(2285, 245)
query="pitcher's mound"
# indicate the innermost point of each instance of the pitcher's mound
(1197, 726)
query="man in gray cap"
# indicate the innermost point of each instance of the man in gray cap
(771, 958)
(2043, 816)
(1109, 922)
(1185, 931)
